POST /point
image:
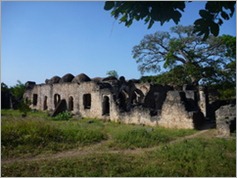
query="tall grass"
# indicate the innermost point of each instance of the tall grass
(141, 138)
(196, 157)
(24, 136)
(135, 136)
(38, 134)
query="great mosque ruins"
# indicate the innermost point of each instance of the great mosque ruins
(126, 101)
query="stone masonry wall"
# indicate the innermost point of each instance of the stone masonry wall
(226, 119)
(174, 114)
(159, 105)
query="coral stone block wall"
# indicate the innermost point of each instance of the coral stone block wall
(226, 119)
(174, 113)
(118, 100)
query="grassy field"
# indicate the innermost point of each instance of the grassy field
(39, 146)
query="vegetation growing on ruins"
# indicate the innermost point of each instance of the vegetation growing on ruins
(39, 146)
(112, 73)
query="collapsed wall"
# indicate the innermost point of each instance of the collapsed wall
(118, 100)
(226, 119)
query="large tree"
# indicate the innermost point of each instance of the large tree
(211, 18)
(185, 54)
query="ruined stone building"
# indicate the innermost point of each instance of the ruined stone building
(119, 100)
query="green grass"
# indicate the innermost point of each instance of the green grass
(38, 134)
(136, 136)
(195, 157)
(33, 135)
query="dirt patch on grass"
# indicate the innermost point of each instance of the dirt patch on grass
(101, 148)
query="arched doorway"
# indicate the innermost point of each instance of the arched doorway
(35, 99)
(45, 106)
(105, 106)
(57, 99)
(70, 103)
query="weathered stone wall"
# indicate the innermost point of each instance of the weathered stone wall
(174, 114)
(145, 103)
(226, 119)
(138, 115)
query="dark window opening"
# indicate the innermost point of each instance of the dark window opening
(57, 99)
(45, 106)
(35, 99)
(87, 101)
(233, 125)
(70, 103)
(153, 113)
(105, 106)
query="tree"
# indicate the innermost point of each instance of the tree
(185, 55)
(174, 77)
(18, 90)
(112, 73)
(162, 11)
(4, 87)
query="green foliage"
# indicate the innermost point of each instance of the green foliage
(4, 87)
(212, 17)
(112, 73)
(36, 135)
(63, 116)
(230, 43)
(199, 157)
(23, 139)
(160, 11)
(175, 77)
(191, 158)
(24, 107)
(134, 136)
(18, 90)
(141, 138)
(186, 57)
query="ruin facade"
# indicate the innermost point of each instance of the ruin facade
(120, 100)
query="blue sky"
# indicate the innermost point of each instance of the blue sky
(42, 39)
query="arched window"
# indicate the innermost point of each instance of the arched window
(57, 99)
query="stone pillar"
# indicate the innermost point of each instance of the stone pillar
(203, 100)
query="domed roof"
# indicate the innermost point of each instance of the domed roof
(54, 79)
(109, 78)
(66, 78)
(97, 79)
(81, 78)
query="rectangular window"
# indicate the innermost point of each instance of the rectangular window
(87, 101)
(35, 99)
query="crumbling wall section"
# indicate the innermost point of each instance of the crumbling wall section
(145, 104)
(138, 115)
(174, 113)
(226, 119)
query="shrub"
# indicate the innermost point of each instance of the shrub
(63, 116)
(24, 108)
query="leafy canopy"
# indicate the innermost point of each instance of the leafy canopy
(186, 55)
(18, 90)
(211, 18)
